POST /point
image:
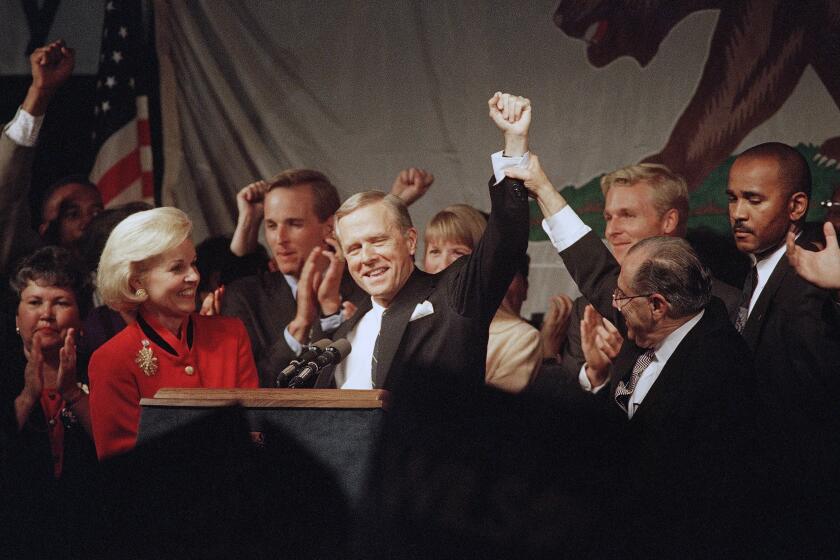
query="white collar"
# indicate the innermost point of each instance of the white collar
(376, 308)
(293, 284)
(768, 263)
(668, 344)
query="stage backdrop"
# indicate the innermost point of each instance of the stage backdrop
(360, 90)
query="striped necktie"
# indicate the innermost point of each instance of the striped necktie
(746, 296)
(624, 390)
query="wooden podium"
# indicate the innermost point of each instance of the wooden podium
(338, 426)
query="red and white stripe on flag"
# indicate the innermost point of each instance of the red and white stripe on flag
(123, 167)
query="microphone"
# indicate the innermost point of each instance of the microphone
(312, 351)
(334, 354)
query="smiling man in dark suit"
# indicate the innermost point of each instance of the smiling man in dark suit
(415, 321)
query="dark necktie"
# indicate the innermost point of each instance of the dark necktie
(746, 296)
(623, 391)
(375, 379)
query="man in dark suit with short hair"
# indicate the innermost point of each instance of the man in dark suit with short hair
(793, 329)
(418, 322)
(674, 378)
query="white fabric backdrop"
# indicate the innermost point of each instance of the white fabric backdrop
(360, 90)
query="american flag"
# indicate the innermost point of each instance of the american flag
(123, 166)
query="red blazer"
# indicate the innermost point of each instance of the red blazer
(220, 357)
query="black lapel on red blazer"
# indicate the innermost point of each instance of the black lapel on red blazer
(394, 322)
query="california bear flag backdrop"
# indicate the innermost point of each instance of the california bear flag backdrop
(362, 90)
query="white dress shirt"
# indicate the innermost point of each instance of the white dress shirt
(355, 371)
(662, 352)
(501, 162)
(763, 269)
(24, 128)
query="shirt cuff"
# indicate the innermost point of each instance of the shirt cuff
(293, 343)
(23, 130)
(585, 384)
(565, 228)
(502, 162)
(332, 322)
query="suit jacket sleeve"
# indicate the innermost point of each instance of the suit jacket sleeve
(16, 233)
(482, 281)
(594, 270)
(811, 331)
(571, 353)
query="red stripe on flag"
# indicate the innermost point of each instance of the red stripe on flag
(148, 185)
(144, 132)
(119, 176)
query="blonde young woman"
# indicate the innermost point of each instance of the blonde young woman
(514, 349)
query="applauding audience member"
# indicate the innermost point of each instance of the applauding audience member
(286, 309)
(43, 386)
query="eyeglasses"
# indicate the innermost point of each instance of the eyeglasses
(618, 296)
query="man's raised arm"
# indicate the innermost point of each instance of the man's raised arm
(51, 66)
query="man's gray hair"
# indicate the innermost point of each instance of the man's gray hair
(672, 268)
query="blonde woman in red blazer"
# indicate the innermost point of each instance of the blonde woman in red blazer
(148, 269)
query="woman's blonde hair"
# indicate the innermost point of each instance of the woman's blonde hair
(459, 223)
(135, 242)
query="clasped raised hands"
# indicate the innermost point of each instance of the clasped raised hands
(511, 113)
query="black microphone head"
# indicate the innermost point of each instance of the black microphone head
(342, 347)
(322, 344)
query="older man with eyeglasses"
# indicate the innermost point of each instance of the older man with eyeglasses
(675, 393)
